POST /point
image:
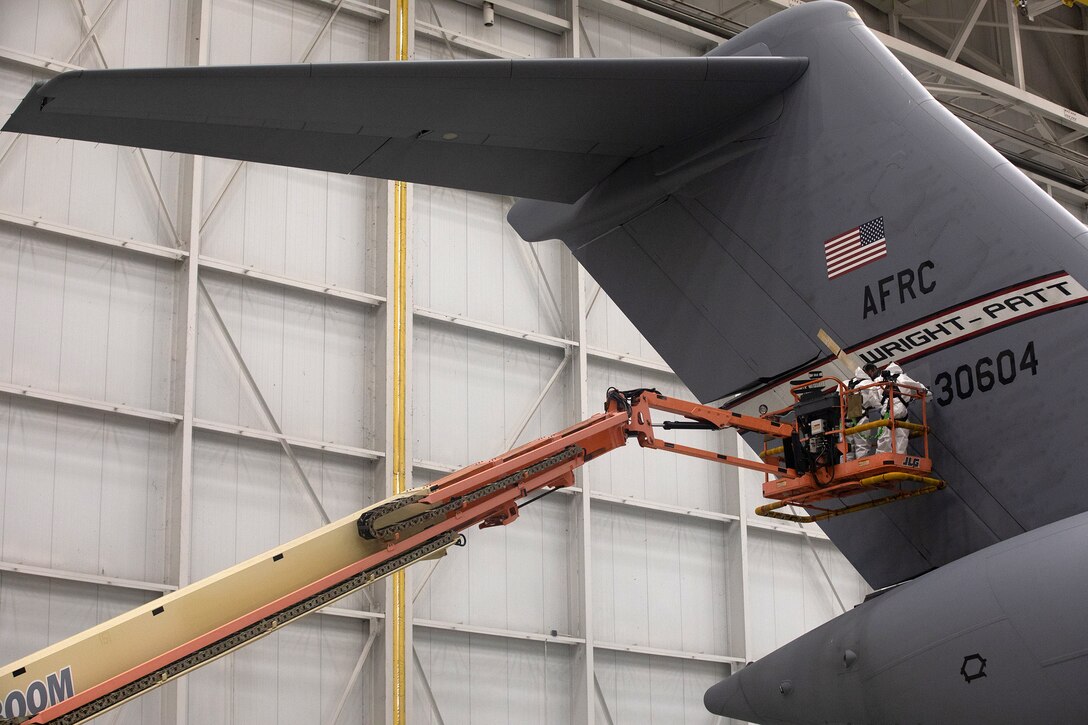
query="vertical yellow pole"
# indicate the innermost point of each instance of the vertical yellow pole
(400, 312)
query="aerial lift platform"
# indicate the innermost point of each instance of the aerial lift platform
(90, 673)
(821, 477)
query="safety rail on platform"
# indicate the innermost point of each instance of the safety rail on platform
(828, 481)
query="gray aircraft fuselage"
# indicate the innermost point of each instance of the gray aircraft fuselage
(999, 636)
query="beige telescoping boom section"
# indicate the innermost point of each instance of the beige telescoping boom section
(88, 674)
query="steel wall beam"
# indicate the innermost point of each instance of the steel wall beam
(279, 280)
(154, 588)
(743, 506)
(762, 525)
(584, 683)
(928, 32)
(231, 429)
(425, 681)
(78, 576)
(1016, 52)
(646, 505)
(366, 454)
(372, 635)
(525, 15)
(35, 62)
(1051, 29)
(632, 360)
(965, 30)
(601, 699)
(270, 417)
(528, 416)
(491, 328)
(479, 48)
(89, 29)
(354, 7)
(988, 84)
(563, 639)
(179, 497)
(83, 235)
(666, 653)
(655, 23)
(77, 401)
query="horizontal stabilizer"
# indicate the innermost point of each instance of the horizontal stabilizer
(543, 129)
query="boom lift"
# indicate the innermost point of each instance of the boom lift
(92, 672)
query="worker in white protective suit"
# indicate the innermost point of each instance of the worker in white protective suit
(894, 403)
(862, 405)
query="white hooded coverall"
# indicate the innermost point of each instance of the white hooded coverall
(898, 409)
(861, 443)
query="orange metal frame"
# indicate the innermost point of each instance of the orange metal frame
(599, 434)
(887, 471)
(647, 400)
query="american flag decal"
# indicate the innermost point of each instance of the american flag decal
(855, 248)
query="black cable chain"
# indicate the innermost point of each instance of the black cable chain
(367, 520)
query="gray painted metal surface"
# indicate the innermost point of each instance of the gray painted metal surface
(973, 294)
(996, 637)
(710, 231)
(410, 120)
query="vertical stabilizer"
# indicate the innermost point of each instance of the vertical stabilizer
(864, 208)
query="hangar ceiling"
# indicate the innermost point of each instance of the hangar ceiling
(1012, 71)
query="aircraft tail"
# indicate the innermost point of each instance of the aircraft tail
(856, 204)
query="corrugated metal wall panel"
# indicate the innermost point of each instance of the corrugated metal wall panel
(468, 262)
(656, 475)
(294, 675)
(247, 497)
(514, 578)
(83, 491)
(608, 328)
(643, 689)
(612, 37)
(312, 359)
(485, 680)
(36, 611)
(512, 36)
(791, 596)
(86, 321)
(661, 581)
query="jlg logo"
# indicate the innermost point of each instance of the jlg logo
(912, 462)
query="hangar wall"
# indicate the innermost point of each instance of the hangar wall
(193, 368)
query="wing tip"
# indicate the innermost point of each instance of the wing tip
(35, 100)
